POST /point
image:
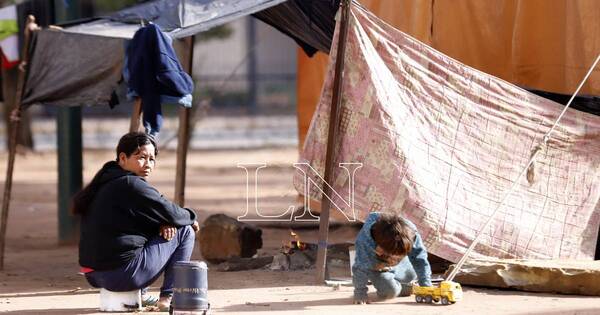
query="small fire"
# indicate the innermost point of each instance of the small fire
(299, 245)
(293, 244)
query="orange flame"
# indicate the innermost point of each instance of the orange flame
(299, 245)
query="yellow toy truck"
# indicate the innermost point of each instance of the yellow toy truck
(448, 292)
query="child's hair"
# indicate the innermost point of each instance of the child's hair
(392, 234)
(129, 144)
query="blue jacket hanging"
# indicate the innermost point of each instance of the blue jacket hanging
(154, 73)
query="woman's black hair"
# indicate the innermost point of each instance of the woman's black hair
(129, 144)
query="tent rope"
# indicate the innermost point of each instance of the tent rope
(536, 150)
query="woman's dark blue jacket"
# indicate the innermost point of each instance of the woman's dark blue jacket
(123, 215)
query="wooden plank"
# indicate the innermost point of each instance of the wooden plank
(332, 136)
(183, 137)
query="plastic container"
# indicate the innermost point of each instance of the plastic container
(120, 301)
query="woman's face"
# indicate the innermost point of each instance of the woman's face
(141, 162)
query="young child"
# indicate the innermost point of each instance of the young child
(390, 253)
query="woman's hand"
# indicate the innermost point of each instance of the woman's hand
(196, 226)
(167, 232)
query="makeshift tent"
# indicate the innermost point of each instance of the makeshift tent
(441, 142)
(67, 67)
(71, 68)
(542, 45)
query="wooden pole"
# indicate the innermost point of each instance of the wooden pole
(183, 138)
(9, 91)
(331, 138)
(134, 124)
(12, 141)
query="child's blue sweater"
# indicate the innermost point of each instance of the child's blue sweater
(367, 260)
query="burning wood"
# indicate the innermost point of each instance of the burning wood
(293, 245)
(296, 254)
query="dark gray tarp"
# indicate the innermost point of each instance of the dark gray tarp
(178, 18)
(310, 23)
(81, 65)
(63, 76)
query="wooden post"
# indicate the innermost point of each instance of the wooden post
(12, 141)
(331, 138)
(183, 138)
(134, 124)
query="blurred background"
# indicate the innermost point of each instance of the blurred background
(247, 88)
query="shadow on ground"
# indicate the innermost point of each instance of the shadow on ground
(56, 311)
(53, 293)
(285, 305)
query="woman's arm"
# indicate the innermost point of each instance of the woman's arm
(157, 209)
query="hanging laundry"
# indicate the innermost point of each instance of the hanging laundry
(154, 73)
(9, 41)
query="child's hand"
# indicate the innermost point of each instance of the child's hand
(361, 301)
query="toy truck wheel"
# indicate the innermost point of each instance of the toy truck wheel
(419, 299)
(445, 301)
(428, 299)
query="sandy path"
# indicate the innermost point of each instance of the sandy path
(40, 277)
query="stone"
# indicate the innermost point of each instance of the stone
(280, 262)
(222, 238)
(553, 276)
(299, 261)
(334, 251)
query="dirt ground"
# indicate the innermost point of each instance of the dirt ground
(40, 277)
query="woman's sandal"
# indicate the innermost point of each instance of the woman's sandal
(149, 300)
(164, 303)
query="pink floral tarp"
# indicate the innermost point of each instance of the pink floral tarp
(441, 143)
